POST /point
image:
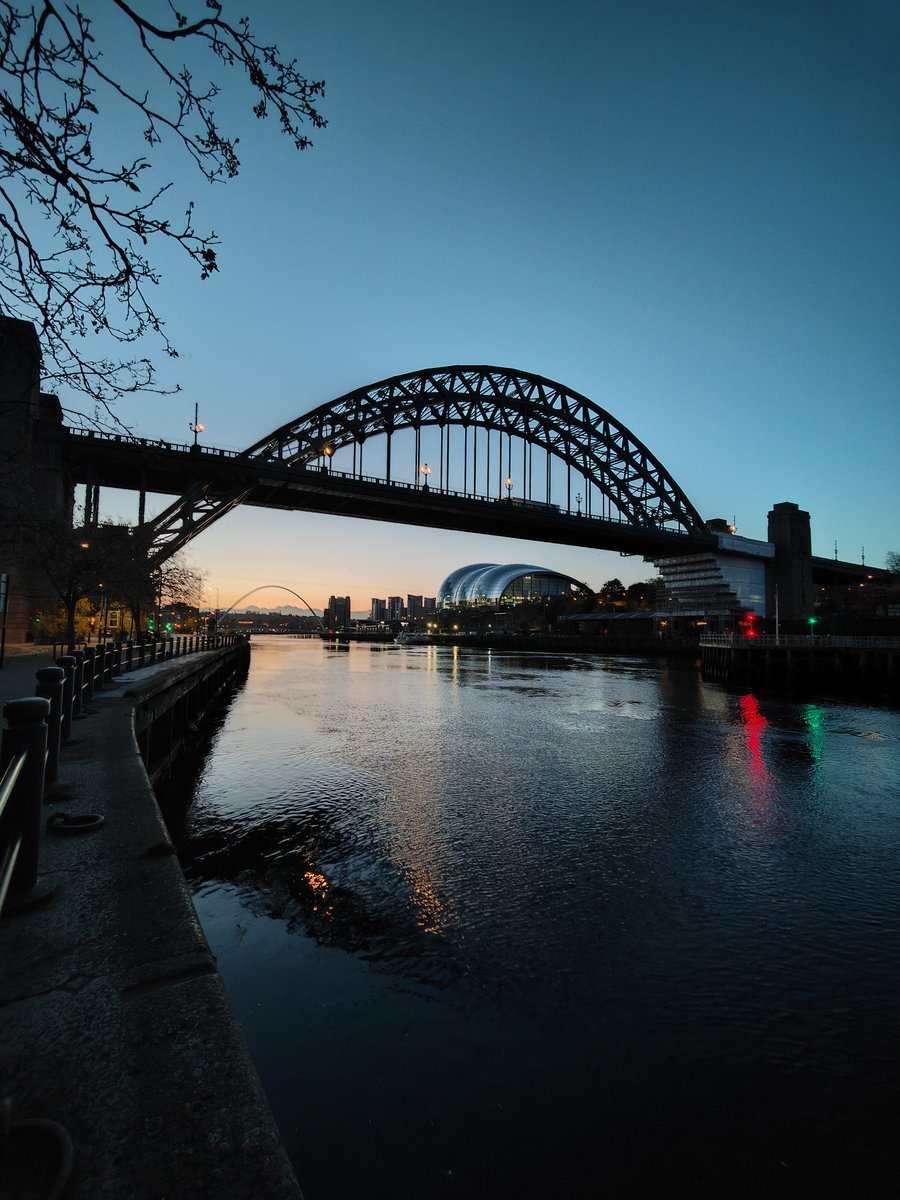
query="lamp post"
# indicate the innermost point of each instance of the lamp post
(578, 502)
(196, 426)
(328, 451)
(424, 471)
(509, 488)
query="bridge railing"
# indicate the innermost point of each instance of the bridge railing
(127, 439)
(514, 502)
(798, 640)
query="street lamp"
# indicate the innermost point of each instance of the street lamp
(509, 488)
(196, 426)
(328, 451)
(578, 502)
(425, 471)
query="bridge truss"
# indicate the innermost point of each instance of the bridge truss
(484, 433)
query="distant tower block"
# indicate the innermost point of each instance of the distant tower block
(792, 572)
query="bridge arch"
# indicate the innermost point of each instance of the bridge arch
(506, 420)
(263, 587)
(513, 404)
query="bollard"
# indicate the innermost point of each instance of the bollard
(51, 682)
(108, 651)
(78, 683)
(67, 662)
(26, 731)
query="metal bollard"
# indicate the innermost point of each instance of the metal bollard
(78, 683)
(27, 731)
(67, 662)
(51, 682)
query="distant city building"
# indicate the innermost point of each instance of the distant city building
(430, 604)
(377, 610)
(496, 586)
(415, 607)
(337, 614)
(395, 608)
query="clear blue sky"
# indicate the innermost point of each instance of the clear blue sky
(687, 211)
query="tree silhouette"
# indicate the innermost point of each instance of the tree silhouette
(78, 224)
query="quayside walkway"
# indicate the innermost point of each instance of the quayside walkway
(123, 1072)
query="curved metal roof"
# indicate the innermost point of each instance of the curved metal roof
(452, 590)
(485, 583)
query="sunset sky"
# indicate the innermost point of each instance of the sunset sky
(686, 211)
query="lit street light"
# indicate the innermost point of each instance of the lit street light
(195, 425)
(425, 471)
(509, 488)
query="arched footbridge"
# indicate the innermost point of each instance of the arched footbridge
(474, 448)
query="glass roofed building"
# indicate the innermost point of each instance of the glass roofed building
(497, 586)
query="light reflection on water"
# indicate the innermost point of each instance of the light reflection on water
(470, 904)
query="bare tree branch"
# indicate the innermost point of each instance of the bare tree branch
(77, 226)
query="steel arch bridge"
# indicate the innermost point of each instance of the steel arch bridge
(492, 434)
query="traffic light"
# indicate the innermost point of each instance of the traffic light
(151, 624)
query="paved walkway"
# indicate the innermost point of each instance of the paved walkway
(115, 1032)
(19, 665)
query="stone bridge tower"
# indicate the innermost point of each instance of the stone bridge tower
(30, 477)
(791, 572)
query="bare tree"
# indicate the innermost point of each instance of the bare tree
(77, 223)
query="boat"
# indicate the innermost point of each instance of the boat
(412, 637)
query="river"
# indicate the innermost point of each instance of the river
(504, 925)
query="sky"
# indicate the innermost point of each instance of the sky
(686, 211)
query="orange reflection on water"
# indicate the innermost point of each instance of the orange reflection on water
(318, 885)
(429, 909)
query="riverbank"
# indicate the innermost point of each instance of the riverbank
(116, 1031)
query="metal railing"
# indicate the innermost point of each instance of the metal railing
(36, 728)
(23, 751)
(801, 640)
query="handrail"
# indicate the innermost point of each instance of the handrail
(23, 758)
(10, 847)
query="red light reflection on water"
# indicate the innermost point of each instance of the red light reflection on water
(753, 723)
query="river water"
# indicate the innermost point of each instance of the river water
(503, 925)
